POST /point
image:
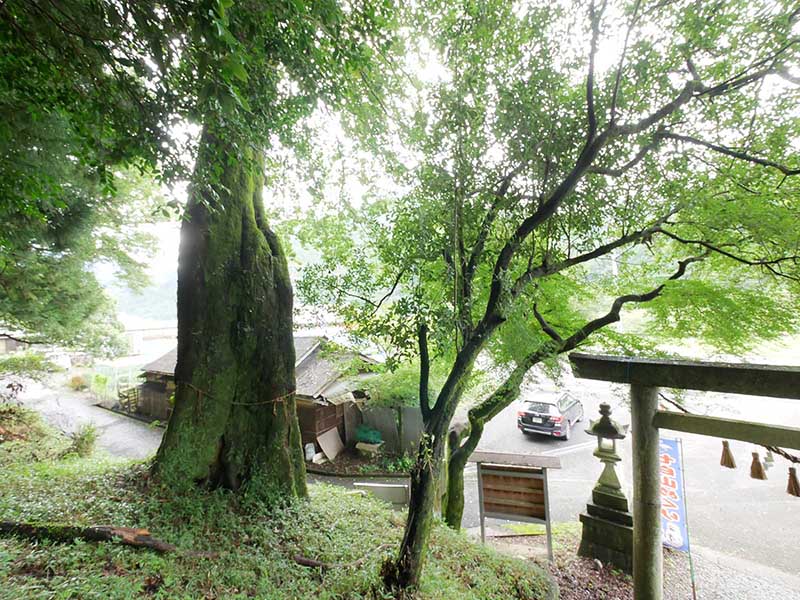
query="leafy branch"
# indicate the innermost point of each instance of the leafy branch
(508, 391)
(769, 264)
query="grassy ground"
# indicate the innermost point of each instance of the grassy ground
(254, 545)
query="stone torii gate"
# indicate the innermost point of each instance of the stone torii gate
(645, 376)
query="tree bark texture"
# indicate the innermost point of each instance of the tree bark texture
(402, 575)
(234, 422)
(505, 394)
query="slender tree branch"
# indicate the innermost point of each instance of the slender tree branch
(20, 340)
(727, 175)
(767, 264)
(619, 172)
(375, 305)
(745, 76)
(618, 77)
(693, 70)
(364, 299)
(682, 98)
(424, 371)
(730, 152)
(391, 291)
(595, 16)
(613, 315)
(502, 396)
(546, 327)
(509, 389)
(785, 74)
(79, 33)
(545, 268)
(491, 316)
(545, 180)
(500, 195)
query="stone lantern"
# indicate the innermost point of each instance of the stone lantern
(607, 522)
(608, 491)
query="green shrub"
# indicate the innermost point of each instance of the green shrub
(400, 464)
(83, 441)
(27, 364)
(99, 386)
(78, 383)
(25, 439)
(389, 464)
(399, 387)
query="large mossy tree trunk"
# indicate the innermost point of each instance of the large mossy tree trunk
(234, 422)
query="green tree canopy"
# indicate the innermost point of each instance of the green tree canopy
(255, 72)
(82, 126)
(54, 235)
(122, 77)
(570, 162)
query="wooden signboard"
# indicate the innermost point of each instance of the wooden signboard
(517, 492)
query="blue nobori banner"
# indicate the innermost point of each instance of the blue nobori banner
(674, 529)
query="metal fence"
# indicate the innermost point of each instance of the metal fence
(108, 381)
(401, 428)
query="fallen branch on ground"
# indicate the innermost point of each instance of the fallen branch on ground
(310, 562)
(130, 536)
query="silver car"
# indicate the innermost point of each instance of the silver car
(550, 414)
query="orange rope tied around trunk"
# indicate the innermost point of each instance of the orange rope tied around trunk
(201, 393)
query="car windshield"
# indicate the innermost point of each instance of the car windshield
(542, 408)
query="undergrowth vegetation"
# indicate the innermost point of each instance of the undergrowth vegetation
(24, 439)
(251, 547)
(27, 364)
(84, 440)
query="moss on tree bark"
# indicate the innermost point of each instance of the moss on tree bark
(505, 394)
(401, 575)
(234, 423)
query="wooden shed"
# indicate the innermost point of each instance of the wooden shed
(327, 386)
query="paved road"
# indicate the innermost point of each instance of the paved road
(728, 512)
(67, 410)
(571, 485)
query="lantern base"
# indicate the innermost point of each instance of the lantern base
(607, 497)
(607, 536)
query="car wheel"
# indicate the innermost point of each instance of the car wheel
(567, 432)
(580, 416)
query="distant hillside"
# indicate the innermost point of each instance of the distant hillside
(157, 302)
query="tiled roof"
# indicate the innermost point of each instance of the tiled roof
(316, 370)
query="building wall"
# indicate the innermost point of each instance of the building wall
(316, 418)
(8, 345)
(154, 400)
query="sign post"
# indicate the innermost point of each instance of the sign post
(514, 487)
